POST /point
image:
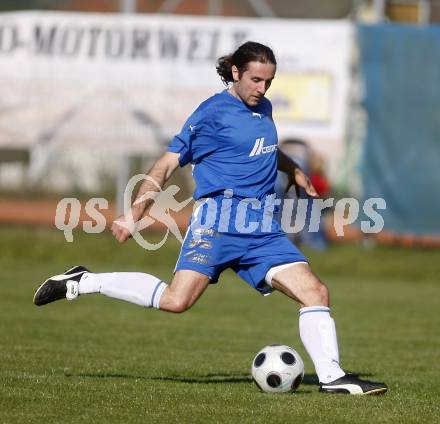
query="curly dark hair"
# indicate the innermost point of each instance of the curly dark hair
(247, 52)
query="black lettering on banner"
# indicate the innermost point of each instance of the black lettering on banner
(194, 43)
(213, 48)
(117, 41)
(168, 44)
(114, 42)
(71, 41)
(202, 45)
(8, 38)
(44, 39)
(140, 43)
(94, 34)
(239, 38)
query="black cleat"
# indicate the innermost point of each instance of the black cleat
(63, 286)
(353, 385)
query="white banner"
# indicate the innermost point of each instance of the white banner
(123, 82)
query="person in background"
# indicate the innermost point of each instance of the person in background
(318, 240)
(313, 164)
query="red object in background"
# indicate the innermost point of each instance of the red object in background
(320, 183)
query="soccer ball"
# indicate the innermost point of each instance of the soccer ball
(277, 369)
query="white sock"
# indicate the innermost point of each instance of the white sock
(134, 287)
(318, 334)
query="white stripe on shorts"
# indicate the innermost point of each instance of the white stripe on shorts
(275, 269)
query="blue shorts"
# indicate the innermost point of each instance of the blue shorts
(251, 256)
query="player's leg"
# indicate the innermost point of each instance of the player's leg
(147, 290)
(317, 328)
(139, 288)
(297, 281)
(183, 291)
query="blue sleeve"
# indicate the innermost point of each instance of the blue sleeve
(196, 139)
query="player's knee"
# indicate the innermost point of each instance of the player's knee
(179, 306)
(317, 295)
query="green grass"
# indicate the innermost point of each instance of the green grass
(100, 360)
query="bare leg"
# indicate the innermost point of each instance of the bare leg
(183, 291)
(299, 283)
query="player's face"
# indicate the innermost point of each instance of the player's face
(252, 85)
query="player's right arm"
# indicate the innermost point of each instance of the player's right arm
(182, 150)
(125, 225)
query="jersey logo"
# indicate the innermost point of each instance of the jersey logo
(192, 128)
(260, 149)
(257, 114)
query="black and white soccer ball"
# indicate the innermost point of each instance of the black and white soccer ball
(277, 369)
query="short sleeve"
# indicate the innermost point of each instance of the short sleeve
(196, 139)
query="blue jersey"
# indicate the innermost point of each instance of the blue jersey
(232, 147)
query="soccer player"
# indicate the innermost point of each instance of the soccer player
(231, 141)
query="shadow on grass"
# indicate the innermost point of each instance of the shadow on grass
(309, 379)
(204, 379)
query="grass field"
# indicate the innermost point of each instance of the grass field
(100, 360)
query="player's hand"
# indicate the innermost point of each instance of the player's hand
(123, 228)
(300, 180)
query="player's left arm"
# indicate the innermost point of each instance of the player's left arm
(295, 175)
